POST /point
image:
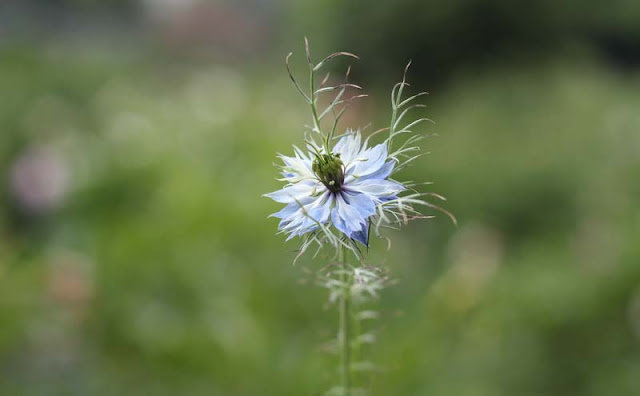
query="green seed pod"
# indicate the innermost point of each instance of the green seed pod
(330, 170)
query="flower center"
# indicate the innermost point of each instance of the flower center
(330, 170)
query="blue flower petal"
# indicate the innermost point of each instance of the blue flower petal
(338, 222)
(370, 161)
(350, 214)
(365, 206)
(317, 212)
(376, 187)
(348, 147)
(383, 172)
(362, 236)
(295, 192)
(291, 208)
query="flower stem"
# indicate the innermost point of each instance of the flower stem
(344, 331)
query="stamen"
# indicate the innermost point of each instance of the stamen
(330, 171)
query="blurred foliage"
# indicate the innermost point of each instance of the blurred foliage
(445, 36)
(136, 257)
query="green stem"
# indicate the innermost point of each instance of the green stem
(355, 353)
(344, 333)
(314, 108)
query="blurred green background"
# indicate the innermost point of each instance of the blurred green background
(136, 138)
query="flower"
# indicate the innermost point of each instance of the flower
(344, 187)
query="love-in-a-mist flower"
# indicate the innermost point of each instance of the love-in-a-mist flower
(344, 187)
(342, 190)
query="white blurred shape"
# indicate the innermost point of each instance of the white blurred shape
(39, 180)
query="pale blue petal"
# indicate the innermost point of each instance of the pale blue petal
(348, 147)
(295, 192)
(376, 187)
(297, 167)
(388, 198)
(318, 212)
(322, 211)
(348, 220)
(286, 211)
(383, 172)
(365, 206)
(370, 161)
(303, 219)
(362, 236)
(338, 222)
(352, 218)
